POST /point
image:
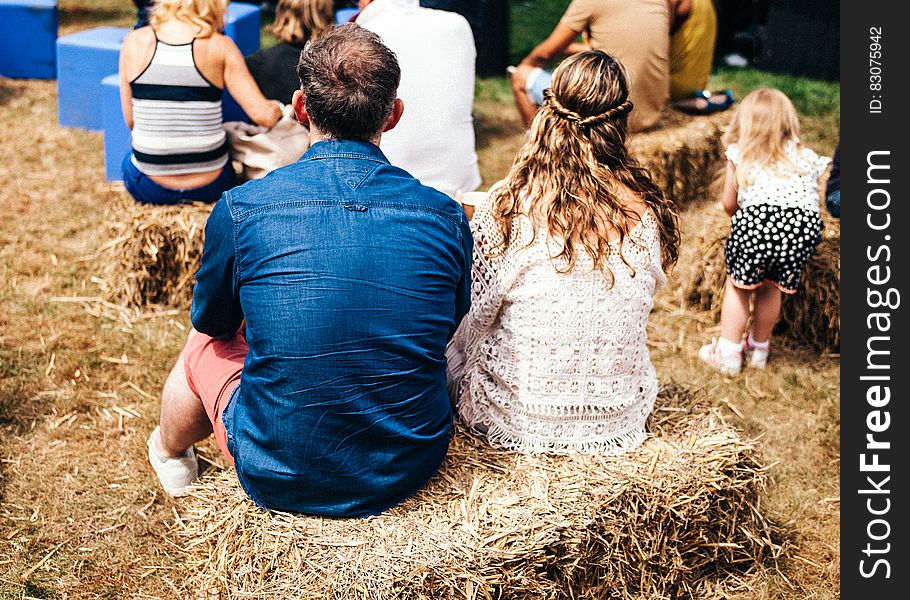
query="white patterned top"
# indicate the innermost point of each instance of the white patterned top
(557, 362)
(790, 184)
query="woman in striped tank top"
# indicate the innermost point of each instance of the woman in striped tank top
(172, 78)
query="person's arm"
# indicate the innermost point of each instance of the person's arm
(729, 195)
(679, 12)
(126, 92)
(240, 83)
(463, 292)
(216, 309)
(553, 47)
(576, 48)
(490, 276)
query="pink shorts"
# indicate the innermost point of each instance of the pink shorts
(213, 370)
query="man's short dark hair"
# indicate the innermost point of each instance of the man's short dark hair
(349, 80)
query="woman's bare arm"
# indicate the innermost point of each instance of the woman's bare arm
(126, 93)
(135, 54)
(240, 83)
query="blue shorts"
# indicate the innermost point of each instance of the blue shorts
(144, 190)
(538, 81)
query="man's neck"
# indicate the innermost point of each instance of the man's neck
(316, 135)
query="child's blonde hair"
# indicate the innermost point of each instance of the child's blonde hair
(206, 15)
(761, 126)
(575, 168)
(298, 21)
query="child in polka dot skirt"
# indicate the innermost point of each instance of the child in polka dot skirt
(772, 193)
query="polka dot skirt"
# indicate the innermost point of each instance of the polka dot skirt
(771, 243)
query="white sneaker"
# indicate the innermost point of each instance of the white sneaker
(755, 357)
(728, 364)
(175, 474)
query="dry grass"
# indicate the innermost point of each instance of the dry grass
(682, 515)
(81, 515)
(683, 154)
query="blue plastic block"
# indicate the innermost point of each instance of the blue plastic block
(83, 60)
(28, 30)
(344, 15)
(117, 138)
(241, 24)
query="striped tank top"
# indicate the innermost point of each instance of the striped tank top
(177, 121)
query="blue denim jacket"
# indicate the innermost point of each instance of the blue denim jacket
(352, 277)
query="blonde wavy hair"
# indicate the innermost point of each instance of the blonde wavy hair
(576, 170)
(206, 15)
(761, 126)
(299, 21)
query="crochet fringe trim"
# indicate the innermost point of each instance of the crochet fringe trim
(500, 437)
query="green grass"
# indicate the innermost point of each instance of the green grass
(818, 102)
(811, 97)
(532, 21)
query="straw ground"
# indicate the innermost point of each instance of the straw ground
(80, 513)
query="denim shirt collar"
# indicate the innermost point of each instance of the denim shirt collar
(345, 149)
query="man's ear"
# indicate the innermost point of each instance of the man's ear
(300, 108)
(397, 111)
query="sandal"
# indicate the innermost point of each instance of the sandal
(728, 99)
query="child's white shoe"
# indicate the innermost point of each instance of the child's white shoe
(176, 474)
(728, 363)
(756, 356)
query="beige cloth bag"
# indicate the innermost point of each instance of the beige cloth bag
(255, 150)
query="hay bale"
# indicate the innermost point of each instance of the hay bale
(669, 520)
(811, 317)
(152, 255)
(684, 154)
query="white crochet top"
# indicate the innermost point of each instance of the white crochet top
(557, 362)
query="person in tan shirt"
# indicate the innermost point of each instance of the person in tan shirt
(635, 32)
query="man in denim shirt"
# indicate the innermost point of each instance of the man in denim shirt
(326, 296)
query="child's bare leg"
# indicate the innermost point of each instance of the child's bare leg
(734, 312)
(767, 311)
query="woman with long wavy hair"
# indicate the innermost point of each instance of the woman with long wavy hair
(569, 250)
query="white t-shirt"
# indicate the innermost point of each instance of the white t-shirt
(434, 141)
(793, 185)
